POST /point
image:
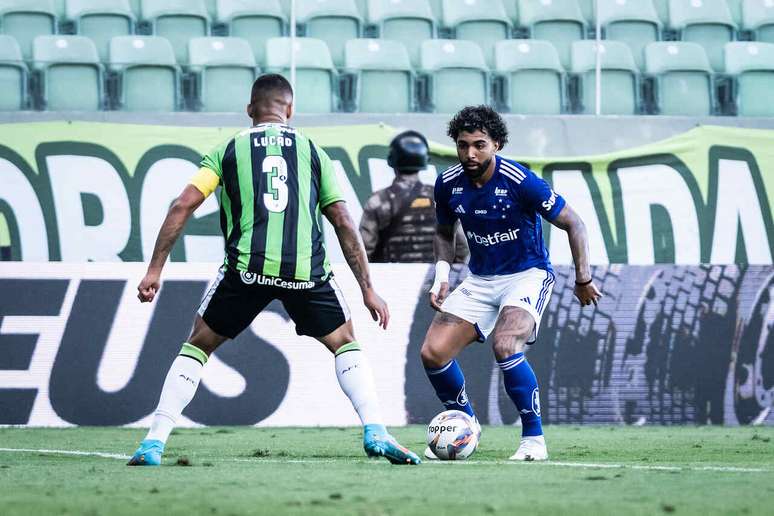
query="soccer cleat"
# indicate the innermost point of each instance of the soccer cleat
(148, 454)
(531, 449)
(378, 443)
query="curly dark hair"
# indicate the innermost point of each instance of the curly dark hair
(479, 118)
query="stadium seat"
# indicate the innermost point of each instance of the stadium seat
(534, 78)
(635, 22)
(316, 80)
(333, 22)
(27, 19)
(559, 21)
(706, 22)
(758, 16)
(136, 8)
(101, 20)
(752, 64)
(212, 7)
(457, 75)
(588, 10)
(13, 75)
(149, 78)
(407, 21)
(70, 74)
(253, 21)
(483, 21)
(178, 21)
(735, 8)
(384, 78)
(662, 8)
(225, 70)
(619, 77)
(437, 7)
(683, 78)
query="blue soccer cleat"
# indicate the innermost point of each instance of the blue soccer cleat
(378, 443)
(148, 454)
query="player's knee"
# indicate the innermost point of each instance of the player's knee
(432, 356)
(511, 340)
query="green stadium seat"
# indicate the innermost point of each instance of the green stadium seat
(619, 77)
(27, 19)
(482, 21)
(735, 7)
(178, 21)
(662, 8)
(758, 16)
(136, 8)
(535, 81)
(316, 88)
(407, 21)
(706, 22)
(437, 7)
(559, 21)
(145, 64)
(13, 75)
(101, 20)
(212, 7)
(684, 84)
(362, 7)
(635, 22)
(225, 70)
(334, 22)
(384, 77)
(253, 21)
(752, 64)
(588, 10)
(457, 75)
(70, 74)
(60, 8)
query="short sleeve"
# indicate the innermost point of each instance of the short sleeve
(205, 180)
(214, 159)
(443, 212)
(538, 195)
(329, 187)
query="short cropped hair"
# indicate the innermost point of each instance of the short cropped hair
(267, 86)
(479, 118)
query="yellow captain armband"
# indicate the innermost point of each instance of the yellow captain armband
(205, 180)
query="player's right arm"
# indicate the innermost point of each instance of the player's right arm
(443, 245)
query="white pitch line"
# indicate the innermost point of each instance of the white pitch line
(69, 452)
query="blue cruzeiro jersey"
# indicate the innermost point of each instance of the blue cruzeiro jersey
(500, 219)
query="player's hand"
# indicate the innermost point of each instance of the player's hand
(148, 287)
(587, 294)
(377, 306)
(436, 300)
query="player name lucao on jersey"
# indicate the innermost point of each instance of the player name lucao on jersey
(272, 141)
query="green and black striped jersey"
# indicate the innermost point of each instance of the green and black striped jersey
(274, 182)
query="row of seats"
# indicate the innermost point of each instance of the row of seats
(378, 77)
(711, 23)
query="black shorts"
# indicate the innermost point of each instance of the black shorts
(235, 299)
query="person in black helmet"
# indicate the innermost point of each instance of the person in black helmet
(398, 222)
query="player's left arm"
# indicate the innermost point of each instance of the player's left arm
(569, 221)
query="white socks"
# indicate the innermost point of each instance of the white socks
(357, 381)
(178, 391)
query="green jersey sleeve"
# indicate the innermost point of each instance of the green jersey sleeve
(329, 187)
(214, 159)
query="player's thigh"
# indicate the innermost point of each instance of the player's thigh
(447, 336)
(523, 302)
(320, 312)
(339, 337)
(513, 328)
(232, 302)
(204, 337)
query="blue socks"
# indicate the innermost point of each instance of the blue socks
(521, 385)
(449, 385)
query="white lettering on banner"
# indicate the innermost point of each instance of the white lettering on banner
(738, 205)
(638, 195)
(73, 176)
(20, 196)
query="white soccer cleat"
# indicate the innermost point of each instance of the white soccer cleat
(531, 448)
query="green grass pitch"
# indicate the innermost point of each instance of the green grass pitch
(236, 470)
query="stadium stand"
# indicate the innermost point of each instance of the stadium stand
(316, 78)
(101, 20)
(382, 80)
(178, 21)
(456, 75)
(69, 74)
(758, 17)
(706, 22)
(620, 87)
(683, 78)
(752, 65)
(482, 21)
(662, 8)
(27, 19)
(634, 22)
(143, 64)
(253, 21)
(559, 21)
(225, 70)
(587, 7)
(332, 22)
(735, 8)
(407, 21)
(13, 75)
(531, 78)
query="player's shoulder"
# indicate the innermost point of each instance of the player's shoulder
(449, 176)
(513, 171)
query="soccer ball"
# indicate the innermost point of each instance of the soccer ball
(452, 435)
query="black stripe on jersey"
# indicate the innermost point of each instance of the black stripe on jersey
(231, 186)
(260, 213)
(318, 256)
(290, 227)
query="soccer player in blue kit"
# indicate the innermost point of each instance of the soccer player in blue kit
(499, 204)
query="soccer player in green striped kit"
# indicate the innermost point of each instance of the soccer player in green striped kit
(274, 184)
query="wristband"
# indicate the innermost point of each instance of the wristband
(584, 283)
(442, 269)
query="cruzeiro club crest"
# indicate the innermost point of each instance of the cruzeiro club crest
(248, 278)
(536, 401)
(462, 397)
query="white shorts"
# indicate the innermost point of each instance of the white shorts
(480, 299)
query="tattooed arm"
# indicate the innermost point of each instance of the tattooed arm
(338, 215)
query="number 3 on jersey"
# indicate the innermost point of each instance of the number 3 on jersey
(276, 200)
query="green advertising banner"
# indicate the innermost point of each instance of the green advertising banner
(82, 191)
